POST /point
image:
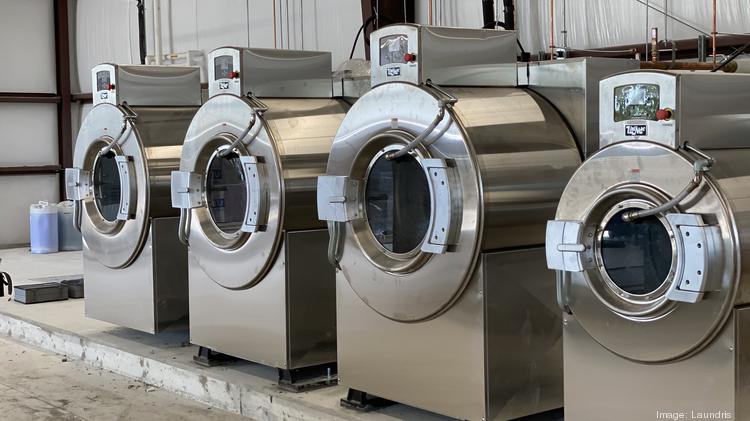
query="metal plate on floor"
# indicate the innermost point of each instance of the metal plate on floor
(40, 293)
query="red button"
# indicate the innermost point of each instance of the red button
(410, 58)
(233, 75)
(664, 114)
(111, 86)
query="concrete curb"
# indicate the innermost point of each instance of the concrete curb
(265, 403)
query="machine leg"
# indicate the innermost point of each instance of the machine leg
(364, 402)
(306, 378)
(207, 357)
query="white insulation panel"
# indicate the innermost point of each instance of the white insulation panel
(27, 46)
(28, 134)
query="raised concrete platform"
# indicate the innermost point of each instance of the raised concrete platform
(164, 360)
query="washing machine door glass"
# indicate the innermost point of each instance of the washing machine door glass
(637, 255)
(226, 192)
(397, 202)
(106, 182)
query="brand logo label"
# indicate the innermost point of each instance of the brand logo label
(635, 130)
(393, 71)
(223, 85)
(104, 95)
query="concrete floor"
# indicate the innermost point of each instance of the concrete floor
(38, 385)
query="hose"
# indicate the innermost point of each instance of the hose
(184, 223)
(700, 167)
(444, 103)
(335, 240)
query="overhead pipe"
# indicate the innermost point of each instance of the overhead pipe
(713, 32)
(551, 29)
(141, 6)
(730, 67)
(509, 15)
(157, 32)
(488, 12)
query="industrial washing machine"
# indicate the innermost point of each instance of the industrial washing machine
(649, 244)
(135, 269)
(261, 288)
(437, 190)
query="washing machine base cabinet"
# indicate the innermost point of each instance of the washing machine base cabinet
(496, 354)
(601, 385)
(149, 294)
(287, 320)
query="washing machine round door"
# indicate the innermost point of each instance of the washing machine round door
(111, 180)
(234, 228)
(650, 288)
(408, 223)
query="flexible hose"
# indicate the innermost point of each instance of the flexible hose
(335, 239)
(77, 215)
(244, 133)
(184, 223)
(699, 168)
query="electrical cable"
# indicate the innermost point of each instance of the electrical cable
(497, 23)
(731, 57)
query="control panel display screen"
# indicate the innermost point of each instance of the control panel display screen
(639, 101)
(393, 48)
(103, 80)
(222, 67)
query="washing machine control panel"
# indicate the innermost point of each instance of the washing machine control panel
(449, 56)
(638, 105)
(104, 84)
(224, 76)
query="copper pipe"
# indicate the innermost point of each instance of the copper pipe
(274, 24)
(713, 32)
(429, 12)
(552, 29)
(654, 44)
(687, 65)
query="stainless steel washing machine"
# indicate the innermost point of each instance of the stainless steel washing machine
(649, 244)
(436, 193)
(261, 288)
(135, 269)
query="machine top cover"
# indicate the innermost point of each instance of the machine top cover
(137, 85)
(447, 56)
(270, 73)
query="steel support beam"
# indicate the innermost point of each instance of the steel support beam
(62, 62)
(29, 97)
(30, 170)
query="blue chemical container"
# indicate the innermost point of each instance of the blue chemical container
(68, 237)
(43, 228)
